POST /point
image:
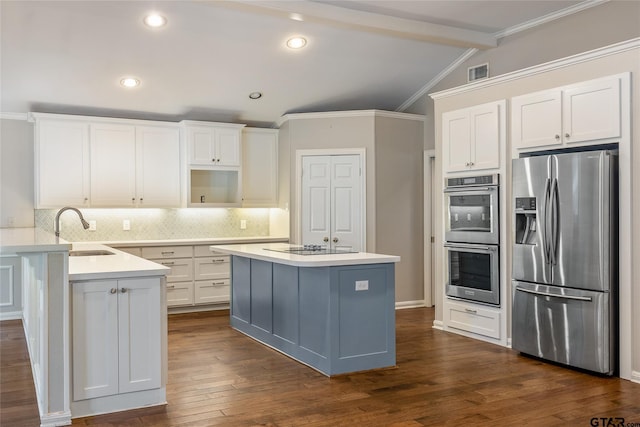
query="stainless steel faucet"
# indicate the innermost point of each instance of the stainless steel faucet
(85, 224)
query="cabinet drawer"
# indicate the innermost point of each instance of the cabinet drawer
(181, 269)
(471, 318)
(203, 251)
(216, 267)
(159, 252)
(212, 291)
(180, 293)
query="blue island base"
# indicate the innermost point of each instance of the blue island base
(337, 319)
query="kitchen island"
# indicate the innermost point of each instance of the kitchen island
(332, 312)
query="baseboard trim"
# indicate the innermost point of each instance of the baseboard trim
(409, 304)
(635, 376)
(438, 324)
(11, 315)
(55, 419)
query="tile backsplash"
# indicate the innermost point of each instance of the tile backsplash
(157, 224)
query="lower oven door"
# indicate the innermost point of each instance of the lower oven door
(473, 272)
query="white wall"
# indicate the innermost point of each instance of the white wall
(16, 173)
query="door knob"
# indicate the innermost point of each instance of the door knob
(113, 290)
(123, 290)
(326, 239)
(335, 240)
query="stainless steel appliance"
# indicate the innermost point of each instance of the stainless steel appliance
(472, 236)
(565, 258)
(473, 272)
(472, 209)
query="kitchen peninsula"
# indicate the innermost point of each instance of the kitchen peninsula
(82, 302)
(331, 311)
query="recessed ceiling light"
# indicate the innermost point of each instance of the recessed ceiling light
(296, 17)
(255, 95)
(155, 20)
(129, 82)
(296, 42)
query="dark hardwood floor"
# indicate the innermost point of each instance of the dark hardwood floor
(218, 376)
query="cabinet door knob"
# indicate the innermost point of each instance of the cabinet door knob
(335, 240)
(133, 199)
(213, 160)
(466, 164)
(557, 136)
(113, 291)
(141, 199)
(566, 135)
(326, 239)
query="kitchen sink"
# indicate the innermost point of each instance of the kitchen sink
(95, 252)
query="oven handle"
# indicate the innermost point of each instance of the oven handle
(466, 246)
(545, 294)
(468, 189)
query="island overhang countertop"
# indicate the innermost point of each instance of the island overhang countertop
(269, 252)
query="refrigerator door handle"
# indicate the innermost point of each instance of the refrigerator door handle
(546, 294)
(545, 218)
(555, 222)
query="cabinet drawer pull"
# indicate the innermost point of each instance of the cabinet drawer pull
(171, 286)
(168, 263)
(468, 310)
(167, 252)
(218, 260)
(218, 283)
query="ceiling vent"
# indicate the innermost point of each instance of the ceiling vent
(478, 72)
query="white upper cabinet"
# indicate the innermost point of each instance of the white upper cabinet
(259, 167)
(472, 137)
(97, 162)
(62, 163)
(135, 166)
(158, 166)
(213, 144)
(113, 165)
(579, 113)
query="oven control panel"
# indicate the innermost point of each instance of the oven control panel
(470, 181)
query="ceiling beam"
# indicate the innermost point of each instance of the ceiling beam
(311, 11)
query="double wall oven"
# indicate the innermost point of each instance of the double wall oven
(472, 238)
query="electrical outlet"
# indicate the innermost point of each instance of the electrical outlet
(126, 225)
(243, 224)
(362, 285)
(93, 226)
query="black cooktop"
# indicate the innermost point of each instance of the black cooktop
(311, 250)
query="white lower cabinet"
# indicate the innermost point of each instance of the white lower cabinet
(472, 318)
(212, 291)
(117, 336)
(179, 293)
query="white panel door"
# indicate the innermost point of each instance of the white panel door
(95, 339)
(316, 200)
(592, 111)
(140, 348)
(331, 213)
(113, 165)
(62, 169)
(345, 202)
(158, 166)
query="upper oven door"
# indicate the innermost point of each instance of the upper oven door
(471, 215)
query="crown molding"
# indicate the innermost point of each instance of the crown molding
(349, 113)
(14, 116)
(542, 68)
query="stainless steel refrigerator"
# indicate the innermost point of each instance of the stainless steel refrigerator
(565, 264)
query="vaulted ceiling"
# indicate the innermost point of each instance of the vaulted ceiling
(69, 56)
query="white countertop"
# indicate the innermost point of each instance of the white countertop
(118, 265)
(261, 251)
(24, 240)
(199, 241)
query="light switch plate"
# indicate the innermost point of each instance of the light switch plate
(93, 225)
(243, 224)
(362, 285)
